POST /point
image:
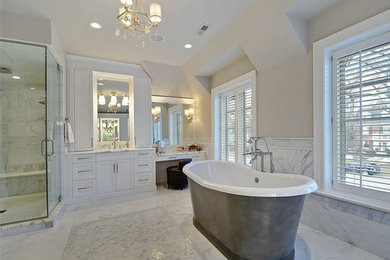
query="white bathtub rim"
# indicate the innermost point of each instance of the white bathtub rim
(308, 187)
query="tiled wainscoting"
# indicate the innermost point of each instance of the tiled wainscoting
(363, 227)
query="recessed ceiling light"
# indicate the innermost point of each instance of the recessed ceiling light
(96, 25)
(188, 46)
(32, 88)
(100, 84)
(15, 77)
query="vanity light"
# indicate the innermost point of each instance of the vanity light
(156, 111)
(125, 101)
(113, 100)
(189, 113)
(102, 99)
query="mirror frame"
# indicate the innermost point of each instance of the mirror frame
(113, 77)
(176, 101)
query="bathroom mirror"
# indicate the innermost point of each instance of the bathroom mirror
(172, 120)
(113, 108)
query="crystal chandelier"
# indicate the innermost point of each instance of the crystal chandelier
(135, 20)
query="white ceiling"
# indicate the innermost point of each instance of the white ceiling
(181, 22)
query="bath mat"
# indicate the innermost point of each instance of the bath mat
(149, 234)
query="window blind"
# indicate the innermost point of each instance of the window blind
(236, 125)
(362, 118)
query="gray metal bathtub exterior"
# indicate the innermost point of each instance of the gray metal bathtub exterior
(243, 227)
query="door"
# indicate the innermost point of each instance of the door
(124, 176)
(22, 132)
(105, 176)
(54, 131)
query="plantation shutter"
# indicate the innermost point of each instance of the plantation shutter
(362, 118)
(236, 125)
(228, 128)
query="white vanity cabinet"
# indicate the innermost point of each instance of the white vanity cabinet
(142, 113)
(83, 175)
(114, 173)
(92, 175)
(82, 120)
(81, 98)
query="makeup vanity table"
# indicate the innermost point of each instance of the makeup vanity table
(164, 160)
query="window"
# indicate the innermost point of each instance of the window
(339, 141)
(361, 102)
(234, 120)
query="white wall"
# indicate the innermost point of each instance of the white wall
(284, 67)
(17, 27)
(167, 80)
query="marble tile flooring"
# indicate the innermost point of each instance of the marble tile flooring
(23, 207)
(160, 224)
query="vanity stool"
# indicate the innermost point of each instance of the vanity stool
(175, 177)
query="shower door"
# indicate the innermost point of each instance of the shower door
(54, 131)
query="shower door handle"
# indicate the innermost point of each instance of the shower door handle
(52, 147)
(43, 142)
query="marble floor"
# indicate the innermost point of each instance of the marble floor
(23, 207)
(153, 225)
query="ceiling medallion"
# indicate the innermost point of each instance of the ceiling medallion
(135, 21)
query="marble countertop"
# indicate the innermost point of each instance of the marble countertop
(171, 153)
(109, 151)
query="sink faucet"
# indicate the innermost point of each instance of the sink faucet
(158, 145)
(257, 152)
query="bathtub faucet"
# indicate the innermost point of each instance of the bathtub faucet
(257, 152)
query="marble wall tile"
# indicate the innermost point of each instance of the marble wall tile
(289, 156)
(21, 128)
(363, 227)
(369, 235)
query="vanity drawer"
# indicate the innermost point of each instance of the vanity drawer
(196, 157)
(142, 180)
(142, 165)
(82, 171)
(143, 154)
(113, 156)
(83, 158)
(84, 188)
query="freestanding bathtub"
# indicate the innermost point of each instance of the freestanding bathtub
(244, 213)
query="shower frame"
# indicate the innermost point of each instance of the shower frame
(45, 141)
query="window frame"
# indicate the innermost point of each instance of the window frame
(322, 104)
(231, 86)
(361, 45)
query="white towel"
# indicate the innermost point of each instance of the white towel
(69, 138)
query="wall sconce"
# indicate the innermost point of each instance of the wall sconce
(156, 111)
(189, 113)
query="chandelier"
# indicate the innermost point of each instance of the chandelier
(135, 21)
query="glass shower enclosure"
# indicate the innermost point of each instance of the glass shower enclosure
(30, 132)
